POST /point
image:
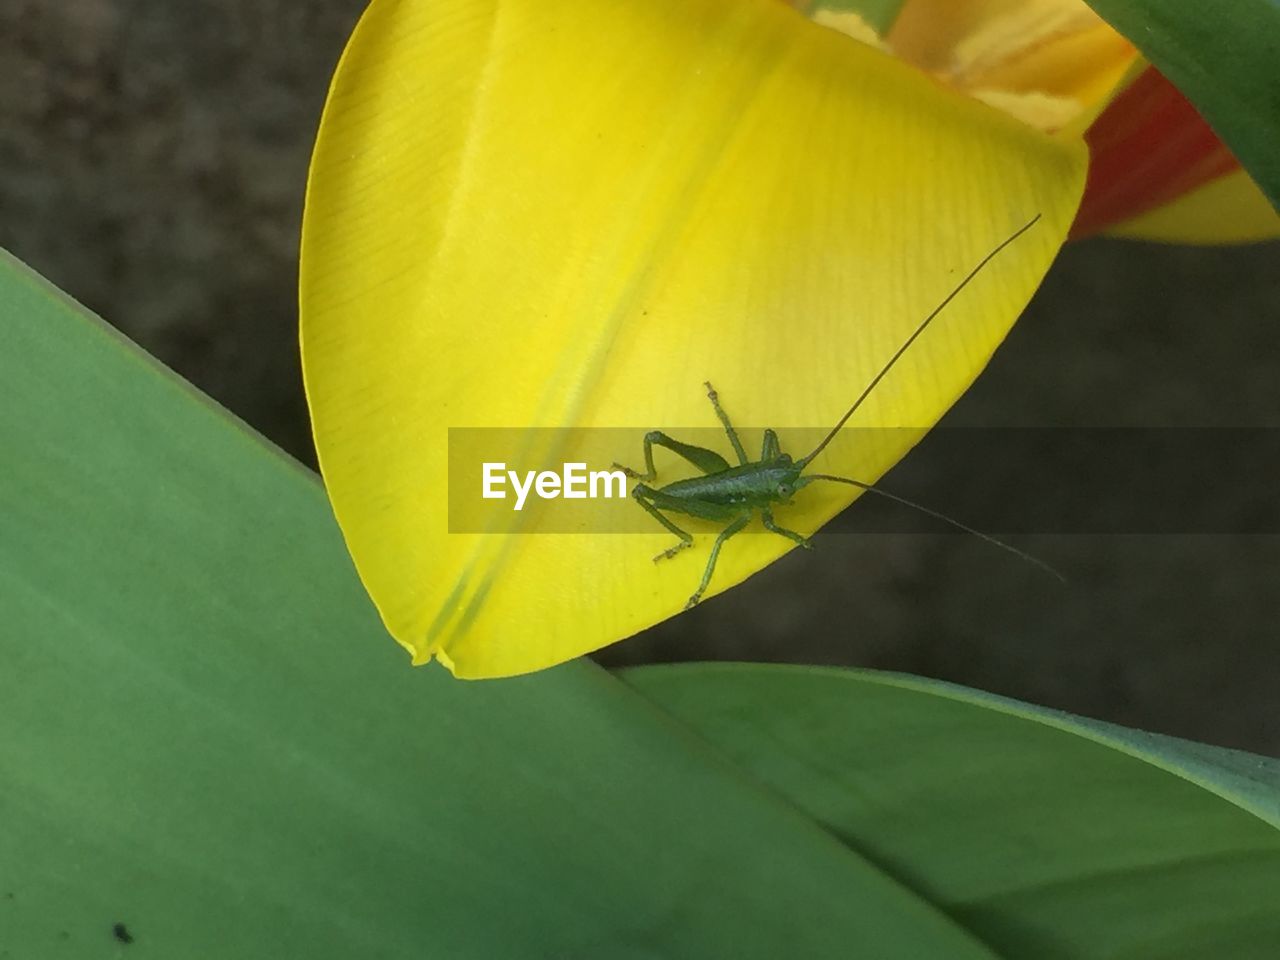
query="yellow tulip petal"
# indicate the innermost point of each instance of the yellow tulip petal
(1040, 110)
(1054, 63)
(851, 25)
(543, 213)
(1230, 209)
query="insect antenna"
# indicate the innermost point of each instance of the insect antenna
(943, 517)
(912, 339)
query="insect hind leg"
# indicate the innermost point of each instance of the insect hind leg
(686, 539)
(708, 461)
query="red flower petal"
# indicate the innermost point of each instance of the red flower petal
(1147, 148)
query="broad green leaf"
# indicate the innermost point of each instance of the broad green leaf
(1048, 836)
(1223, 57)
(208, 738)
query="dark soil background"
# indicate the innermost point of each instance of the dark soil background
(152, 160)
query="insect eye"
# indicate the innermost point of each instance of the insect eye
(784, 490)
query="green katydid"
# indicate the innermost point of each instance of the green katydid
(732, 495)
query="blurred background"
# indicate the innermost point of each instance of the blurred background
(152, 163)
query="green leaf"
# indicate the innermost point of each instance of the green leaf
(1223, 57)
(1047, 835)
(209, 738)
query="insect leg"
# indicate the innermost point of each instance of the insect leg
(686, 540)
(708, 461)
(771, 447)
(767, 517)
(728, 427)
(725, 534)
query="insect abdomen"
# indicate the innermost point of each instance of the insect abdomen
(748, 485)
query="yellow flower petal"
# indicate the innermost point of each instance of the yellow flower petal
(1041, 110)
(850, 24)
(553, 213)
(1231, 209)
(1023, 54)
